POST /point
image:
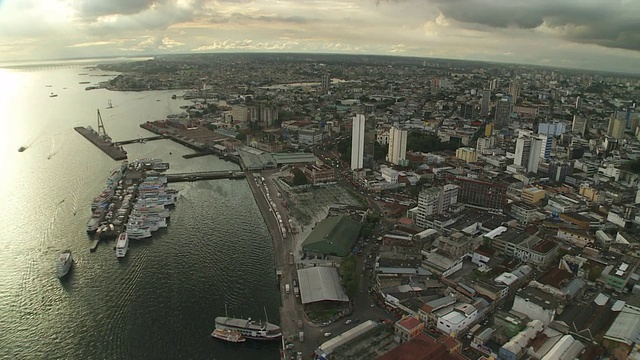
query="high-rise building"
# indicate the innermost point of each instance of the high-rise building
(579, 103)
(493, 84)
(488, 130)
(466, 111)
(397, 146)
(326, 82)
(514, 89)
(616, 127)
(503, 112)
(357, 142)
(435, 200)
(484, 144)
(547, 145)
(579, 125)
(529, 150)
(485, 102)
(264, 114)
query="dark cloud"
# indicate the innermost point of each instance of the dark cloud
(614, 24)
(96, 8)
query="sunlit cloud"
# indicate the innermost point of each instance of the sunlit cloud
(586, 33)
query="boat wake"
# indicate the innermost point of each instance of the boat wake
(53, 151)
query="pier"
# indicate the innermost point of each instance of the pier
(139, 140)
(198, 154)
(101, 140)
(204, 175)
(109, 148)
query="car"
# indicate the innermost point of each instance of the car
(348, 322)
(327, 334)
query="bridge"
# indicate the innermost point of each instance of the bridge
(205, 175)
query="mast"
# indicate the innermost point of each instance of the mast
(225, 310)
(266, 318)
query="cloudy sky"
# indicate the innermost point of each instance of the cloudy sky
(593, 34)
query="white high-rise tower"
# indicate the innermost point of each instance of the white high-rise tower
(397, 146)
(357, 142)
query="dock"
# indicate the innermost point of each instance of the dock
(204, 175)
(198, 154)
(109, 148)
(139, 140)
(94, 245)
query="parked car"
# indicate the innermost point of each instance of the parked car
(348, 322)
(327, 334)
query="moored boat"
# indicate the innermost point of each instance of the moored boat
(233, 336)
(250, 329)
(122, 245)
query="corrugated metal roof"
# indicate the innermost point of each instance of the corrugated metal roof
(320, 283)
(329, 346)
(626, 327)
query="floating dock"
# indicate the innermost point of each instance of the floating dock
(94, 245)
(204, 175)
(139, 140)
(115, 152)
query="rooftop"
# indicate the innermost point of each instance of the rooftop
(333, 236)
(320, 283)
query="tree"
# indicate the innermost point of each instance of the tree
(299, 178)
(348, 273)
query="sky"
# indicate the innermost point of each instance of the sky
(589, 34)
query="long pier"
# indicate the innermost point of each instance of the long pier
(114, 151)
(139, 140)
(204, 175)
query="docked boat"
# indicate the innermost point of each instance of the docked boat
(22, 148)
(94, 222)
(63, 265)
(250, 329)
(138, 233)
(233, 336)
(122, 245)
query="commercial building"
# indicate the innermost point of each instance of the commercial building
(527, 155)
(458, 319)
(466, 154)
(532, 195)
(457, 244)
(536, 304)
(357, 142)
(240, 113)
(503, 112)
(435, 200)
(321, 284)
(309, 136)
(616, 127)
(407, 328)
(485, 102)
(325, 82)
(480, 193)
(317, 174)
(397, 146)
(579, 125)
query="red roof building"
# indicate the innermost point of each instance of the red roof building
(423, 347)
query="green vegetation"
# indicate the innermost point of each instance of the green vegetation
(344, 148)
(322, 316)
(298, 177)
(348, 273)
(417, 141)
(594, 273)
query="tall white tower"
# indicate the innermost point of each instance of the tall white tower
(357, 142)
(397, 146)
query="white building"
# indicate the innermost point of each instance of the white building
(536, 304)
(484, 144)
(357, 142)
(528, 152)
(309, 136)
(457, 320)
(397, 146)
(239, 113)
(435, 200)
(389, 175)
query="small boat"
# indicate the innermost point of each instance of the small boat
(84, 82)
(22, 148)
(64, 263)
(53, 95)
(122, 245)
(109, 104)
(233, 336)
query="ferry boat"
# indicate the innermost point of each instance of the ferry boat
(250, 329)
(122, 245)
(233, 336)
(63, 265)
(138, 233)
(94, 222)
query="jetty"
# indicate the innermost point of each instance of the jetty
(139, 140)
(204, 175)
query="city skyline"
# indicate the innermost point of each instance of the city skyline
(575, 34)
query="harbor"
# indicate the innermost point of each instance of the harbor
(132, 205)
(115, 152)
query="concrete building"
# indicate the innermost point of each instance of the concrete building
(309, 137)
(518, 345)
(389, 174)
(325, 82)
(532, 195)
(484, 145)
(317, 174)
(397, 146)
(240, 113)
(527, 155)
(480, 193)
(458, 320)
(457, 244)
(435, 200)
(546, 146)
(616, 128)
(407, 328)
(536, 304)
(579, 125)
(514, 89)
(469, 155)
(503, 112)
(485, 102)
(357, 142)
